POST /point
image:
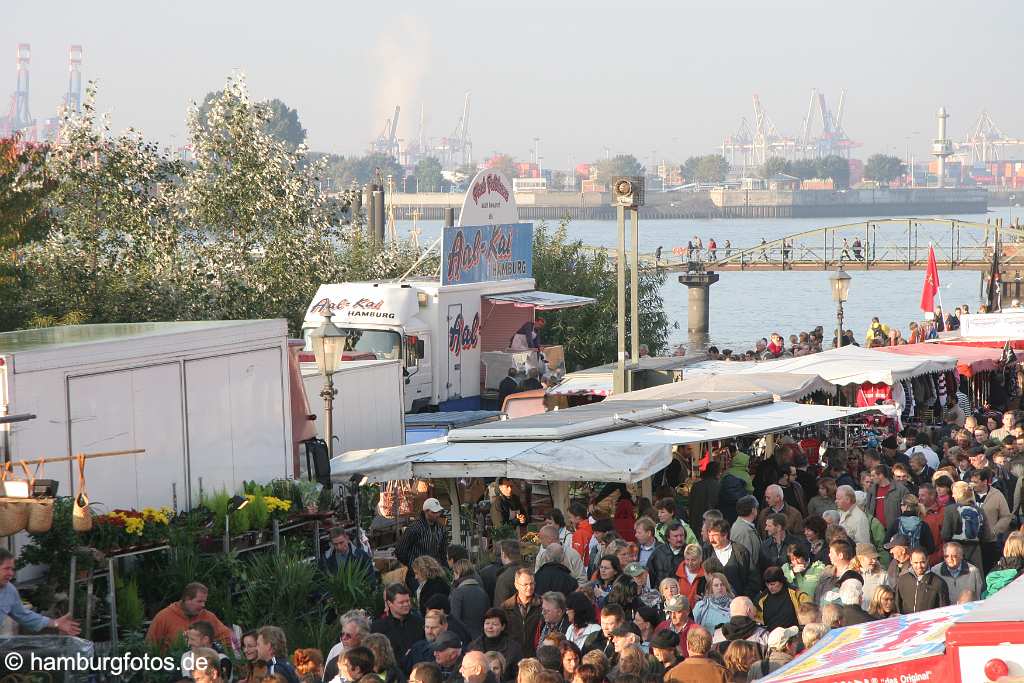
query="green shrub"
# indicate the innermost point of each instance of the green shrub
(259, 513)
(130, 610)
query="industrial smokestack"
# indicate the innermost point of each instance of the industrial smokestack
(449, 217)
(378, 217)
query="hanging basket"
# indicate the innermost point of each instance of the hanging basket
(81, 515)
(40, 510)
(13, 511)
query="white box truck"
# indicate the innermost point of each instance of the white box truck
(208, 401)
(437, 331)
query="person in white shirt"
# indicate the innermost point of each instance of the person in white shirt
(923, 446)
(851, 517)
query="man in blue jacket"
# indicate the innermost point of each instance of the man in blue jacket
(11, 605)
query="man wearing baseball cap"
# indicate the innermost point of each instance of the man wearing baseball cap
(899, 548)
(447, 649)
(783, 644)
(677, 609)
(428, 535)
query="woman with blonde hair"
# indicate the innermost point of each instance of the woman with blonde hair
(713, 609)
(883, 603)
(431, 578)
(384, 664)
(739, 657)
(496, 663)
(964, 522)
(668, 587)
(530, 670)
(1009, 566)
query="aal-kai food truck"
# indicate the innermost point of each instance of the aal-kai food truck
(442, 330)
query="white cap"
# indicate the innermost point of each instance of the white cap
(432, 505)
(779, 636)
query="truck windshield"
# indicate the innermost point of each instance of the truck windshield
(381, 343)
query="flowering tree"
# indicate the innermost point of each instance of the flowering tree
(243, 232)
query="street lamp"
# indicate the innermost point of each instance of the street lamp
(328, 344)
(840, 292)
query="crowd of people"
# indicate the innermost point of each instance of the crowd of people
(762, 560)
(759, 561)
(878, 334)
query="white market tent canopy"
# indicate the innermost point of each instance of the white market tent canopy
(610, 442)
(782, 387)
(854, 365)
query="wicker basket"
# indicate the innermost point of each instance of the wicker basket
(81, 515)
(40, 515)
(13, 515)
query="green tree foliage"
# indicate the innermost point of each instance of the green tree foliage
(709, 168)
(24, 217)
(428, 175)
(804, 169)
(884, 168)
(281, 121)
(244, 232)
(588, 333)
(618, 165)
(837, 168)
(346, 171)
(773, 166)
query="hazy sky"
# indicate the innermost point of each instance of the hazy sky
(631, 76)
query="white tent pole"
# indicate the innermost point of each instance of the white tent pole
(453, 492)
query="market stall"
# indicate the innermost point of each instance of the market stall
(782, 387)
(856, 365)
(970, 360)
(988, 374)
(626, 441)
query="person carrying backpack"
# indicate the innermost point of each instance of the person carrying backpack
(911, 524)
(964, 522)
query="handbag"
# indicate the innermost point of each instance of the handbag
(81, 515)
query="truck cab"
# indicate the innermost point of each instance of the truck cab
(382, 322)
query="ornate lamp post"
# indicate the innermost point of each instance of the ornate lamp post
(840, 292)
(328, 344)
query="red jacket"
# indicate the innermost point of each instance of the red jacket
(693, 591)
(581, 540)
(624, 520)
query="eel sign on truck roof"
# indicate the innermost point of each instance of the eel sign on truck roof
(489, 200)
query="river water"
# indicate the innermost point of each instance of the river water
(746, 306)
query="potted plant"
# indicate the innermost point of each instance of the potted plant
(309, 494)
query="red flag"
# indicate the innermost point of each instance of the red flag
(931, 283)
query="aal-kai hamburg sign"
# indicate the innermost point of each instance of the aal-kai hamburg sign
(487, 253)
